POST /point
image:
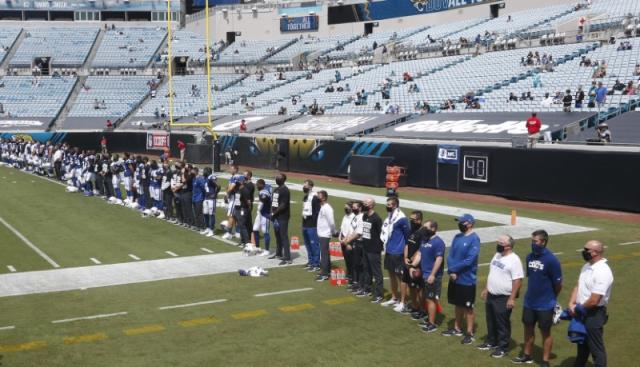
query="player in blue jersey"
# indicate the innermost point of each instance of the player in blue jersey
(117, 168)
(209, 205)
(463, 268)
(232, 198)
(127, 177)
(156, 174)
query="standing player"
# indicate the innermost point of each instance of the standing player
(347, 227)
(463, 269)
(209, 205)
(545, 283)
(326, 230)
(280, 214)
(197, 200)
(232, 199)
(503, 285)
(156, 175)
(262, 223)
(431, 259)
(395, 231)
(410, 283)
(310, 210)
(370, 229)
(128, 177)
(117, 168)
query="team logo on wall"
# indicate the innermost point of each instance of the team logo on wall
(306, 149)
(263, 145)
(420, 5)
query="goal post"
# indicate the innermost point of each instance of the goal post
(172, 122)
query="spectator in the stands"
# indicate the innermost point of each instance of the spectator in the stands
(636, 72)
(579, 97)
(512, 97)
(1, 109)
(629, 90)
(526, 96)
(618, 86)
(537, 83)
(329, 89)
(448, 105)
(109, 124)
(338, 76)
(243, 126)
(377, 107)
(282, 110)
(406, 77)
(557, 99)
(600, 70)
(182, 148)
(601, 95)
(567, 101)
(547, 101)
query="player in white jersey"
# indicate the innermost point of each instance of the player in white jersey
(117, 167)
(209, 205)
(156, 174)
(232, 198)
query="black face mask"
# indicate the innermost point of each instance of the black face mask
(415, 226)
(462, 227)
(305, 190)
(279, 181)
(356, 211)
(586, 255)
(427, 233)
(389, 209)
(500, 248)
(347, 211)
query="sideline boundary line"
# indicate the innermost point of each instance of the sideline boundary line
(192, 304)
(30, 244)
(283, 292)
(93, 317)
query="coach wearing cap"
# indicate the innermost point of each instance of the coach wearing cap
(589, 300)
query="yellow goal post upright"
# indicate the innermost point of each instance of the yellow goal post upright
(172, 123)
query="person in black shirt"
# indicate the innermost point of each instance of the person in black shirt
(186, 195)
(567, 101)
(372, 246)
(310, 209)
(579, 97)
(250, 185)
(280, 214)
(414, 285)
(243, 212)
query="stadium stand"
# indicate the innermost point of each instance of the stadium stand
(8, 37)
(310, 46)
(364, 44)
(25, 96)
(191, 45)
(251, 52)
(119, 94)
(67, 47)
(129, 47)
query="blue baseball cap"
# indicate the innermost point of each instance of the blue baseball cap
(466, 218)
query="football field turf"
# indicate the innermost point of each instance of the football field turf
(218, 320)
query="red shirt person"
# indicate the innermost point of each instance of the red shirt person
(181, 147)
(533, 128)
(243, 126)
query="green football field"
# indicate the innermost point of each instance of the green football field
(295, 322)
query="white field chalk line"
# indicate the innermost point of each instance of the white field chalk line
(11, 268)
(134, 257)
(7, 327)
(283, 292)
(95, 261)
(206, 250)
(192, 304)
(102, 316)
(30, 244)
(628, 243)
(171, 253)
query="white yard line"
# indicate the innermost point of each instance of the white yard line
(229, 242)
(283, 292)
(93, 317)
(206, 250)
(30, 244)
(192, 304)
(11, 268)
(7, 327)
(95, 261)
(134, 257)
(170, 253)
(629, 243)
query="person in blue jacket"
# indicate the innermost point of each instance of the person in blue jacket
(197, 198)
(463, 269)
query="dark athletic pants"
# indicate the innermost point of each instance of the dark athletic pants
(498, 321)
(594, 322)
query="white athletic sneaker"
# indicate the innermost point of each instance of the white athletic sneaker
(398, 307)
(237, 235)
(204, 231)
(227, 236)
(209, 234)
(390, 302)
(264, 253)
(161, 215)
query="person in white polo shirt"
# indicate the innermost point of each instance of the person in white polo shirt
(326, 229)
(503, 285)
(589, 300)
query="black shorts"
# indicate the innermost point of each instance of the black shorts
(461, 295)
(394, 263)
(432, 291)
(544, 319)
(415, 283)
